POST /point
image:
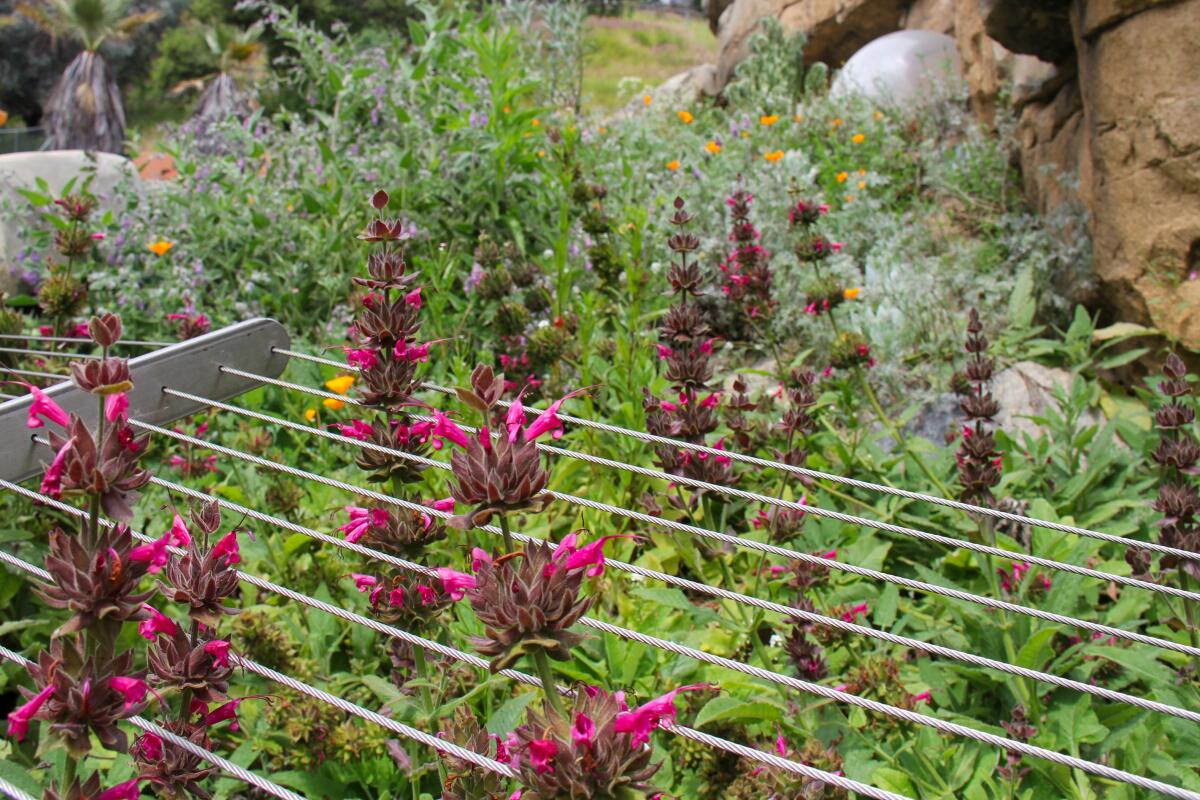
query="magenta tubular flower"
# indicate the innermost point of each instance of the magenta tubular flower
(156, 624)
(53, 477)
(150, 746)
(133, 690)
(364, 582)
(362, 357)
(44, 409)
(219, 650)
(591, 555)
(155, 553)
(227, 711)
(115, 406)
(122, 791)
(456, 583)
(648, 716)
(542, 753)
(356, 528)
(227, 548)
(583, 732)
(18, 720)
(445, 430)
(356, 429)
(548, 421)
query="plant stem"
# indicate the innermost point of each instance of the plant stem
(1189, 610)
(70, 768)
(508, 540)
(887, 422)
(542, 663)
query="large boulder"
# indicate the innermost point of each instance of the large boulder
(899, 66)
(57, 168)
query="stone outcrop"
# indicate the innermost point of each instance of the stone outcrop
(1108, 99)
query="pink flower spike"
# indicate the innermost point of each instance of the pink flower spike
(132, 689)
(455, 583)
(219, 650)
(592, 556)
(364, 582)
(227, 548)
(780, 743)
(413, 298)
(363, 358)
(180, 536)
(479, 557)
(124, 791)
(923, 697)
(541, 753)
(52, 479)
(156, 624)
(445, 430)
(18, 719)
(43, 407)
(548, 421)
(649, 716)
(115, 406)
(583, 732)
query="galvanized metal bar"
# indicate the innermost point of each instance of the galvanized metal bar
(194, 363)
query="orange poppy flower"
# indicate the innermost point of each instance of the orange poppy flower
(160, 247)
(331, 404)
(646, 99)
(673, 165)
(773, 156)
(858, 138)
(769, 119)
(842, 176)
(340, 385)
(851, 294)
(310, 414)
(713, 147)
(686, 117)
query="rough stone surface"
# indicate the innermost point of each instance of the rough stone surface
(978, 61)
(57, 167)
(1034, 27)
(931, 15)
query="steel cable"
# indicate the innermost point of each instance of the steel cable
(796, 555)
(795, 470)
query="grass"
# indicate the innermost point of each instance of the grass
(649, 46)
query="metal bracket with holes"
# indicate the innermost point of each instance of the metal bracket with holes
(195, 364)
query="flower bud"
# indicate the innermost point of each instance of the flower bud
(105, 329)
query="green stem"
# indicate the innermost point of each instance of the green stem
(1189, 610)
(542, 663)
(70, 767)
(422, 662)
(508, 540)
(887, 422)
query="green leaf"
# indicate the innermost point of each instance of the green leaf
(1076, 723)
(731, 708)
(19, 777)
(314, 784)
(508, 716)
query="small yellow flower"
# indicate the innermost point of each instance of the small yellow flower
(160, 247)
(836, 122)
(310, 414)
(878, 116)
(331, 404)
(535, 122)
(773, 156)
(841, 177)
(858, 138)
(645, 99)
(340, 385)
(673, 165)
(769, 119)
(798, 118)
(289, 207)
(862, 184)
(603, 129)
(862, 172)
(851, 294)
(541, 153)
(745, 134)
(250, 199)
(686, 117)
(712, 147)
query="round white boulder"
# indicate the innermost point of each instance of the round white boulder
(898, 67)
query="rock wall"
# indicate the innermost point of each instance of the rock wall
(1108, 97)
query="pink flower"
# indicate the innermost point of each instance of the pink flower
(548, 421)
(780, 743)
(923, 697)
(18, 720)
(115, 406)
(363, 358)
(134, 690)
(664, 352)
(712, 401)
(156, 624)
(514, 420)
(837, 246)
(445, 504)
(706, 347)
(219, 650)
(43, 407)
(52, 480)
(831, 555)
(156, 553)
(648, 716)
(541, 752)
(860, 609)
(396, 597)
(444, 429)
(668, 406)
(227, 548)
(123, 791)
(149, 747)
(413, 298)
(583, 731)
(479, 557)
(428, 595)
(357, 429)
(98, 236)
(592, 556)
(405, 353)
(455, 583)
(179, 534)
(364, 582)
(227, 711)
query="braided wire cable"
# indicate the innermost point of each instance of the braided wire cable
(468, 658)
(840, 697)
(9, 790)
(795, 470)
(737, 541)
(78, 341)
(53, 353)
(33, 373)
(725, 594)
(631, 514)
(224, 764)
